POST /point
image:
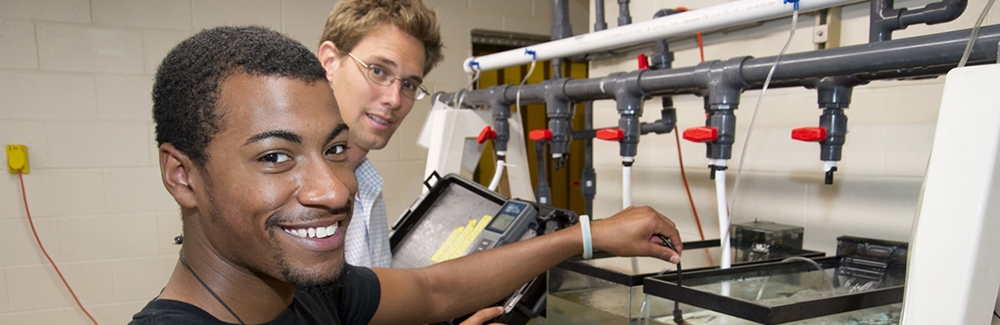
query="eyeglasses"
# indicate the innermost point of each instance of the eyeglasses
(382, 76)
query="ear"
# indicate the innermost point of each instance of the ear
(329, 57)
(180, 175)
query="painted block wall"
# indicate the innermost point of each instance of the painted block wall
(75, 83)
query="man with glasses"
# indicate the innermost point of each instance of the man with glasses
(376, 53)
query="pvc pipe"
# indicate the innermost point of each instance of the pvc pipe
(720, 198)
(689, 22)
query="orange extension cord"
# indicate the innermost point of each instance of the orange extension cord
(680, 156)
(24, 195)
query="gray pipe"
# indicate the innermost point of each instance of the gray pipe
(588, 181)
(558, 109)
(629, 98)
(833, 97)
(599, 23)
(885, 18)
(624, 18)
(501, 120)
(561, 29)
(662, 56)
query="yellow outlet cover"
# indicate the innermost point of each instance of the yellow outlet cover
(17, 158)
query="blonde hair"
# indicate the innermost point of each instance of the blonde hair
(351, 20)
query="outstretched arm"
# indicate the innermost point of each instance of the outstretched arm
(460, 286)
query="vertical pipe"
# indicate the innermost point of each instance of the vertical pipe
(561, 29)
(624, 18)
(720, 197)
(589, 179)
(599, 23)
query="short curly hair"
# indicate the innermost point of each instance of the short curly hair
(187, 82)
(351, 20)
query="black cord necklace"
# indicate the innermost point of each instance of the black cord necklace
(203, 284)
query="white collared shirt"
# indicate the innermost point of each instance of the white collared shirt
(367, 240)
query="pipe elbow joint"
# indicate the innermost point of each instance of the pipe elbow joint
(934, 13)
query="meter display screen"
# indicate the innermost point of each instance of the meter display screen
(508, 213)
(501, 223)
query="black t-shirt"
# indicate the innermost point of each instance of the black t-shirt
(353, 301)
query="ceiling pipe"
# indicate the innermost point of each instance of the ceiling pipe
(921, 56)
(685, 23)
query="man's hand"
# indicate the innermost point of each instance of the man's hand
(483, 316)
(632, 232)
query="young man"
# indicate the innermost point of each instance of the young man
(376, 53)
(253, 149)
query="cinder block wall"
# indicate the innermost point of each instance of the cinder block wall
(75, 83)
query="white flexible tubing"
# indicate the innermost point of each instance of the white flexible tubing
(720, 197)
(496, 175)
(684, 23)
(756, 109)
(974, 35)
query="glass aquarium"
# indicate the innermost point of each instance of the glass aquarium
(862, 285)
(609, 289)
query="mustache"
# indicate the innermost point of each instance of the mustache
(275, 219)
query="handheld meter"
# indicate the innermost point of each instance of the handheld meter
(508, 226)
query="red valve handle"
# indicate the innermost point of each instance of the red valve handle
(540, 135)
(610, 134)
(701, 134)
(643, 61)
(811, 134)
(486, 134)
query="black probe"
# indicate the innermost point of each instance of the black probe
(678, 316)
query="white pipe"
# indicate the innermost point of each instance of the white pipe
(720, 197)
(684, 23)
(627, 182)
(496, 175)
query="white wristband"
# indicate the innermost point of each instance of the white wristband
(588, 245)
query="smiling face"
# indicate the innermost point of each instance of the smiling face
(277, 195)
(374, 111)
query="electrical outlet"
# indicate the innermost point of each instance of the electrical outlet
(17, 158)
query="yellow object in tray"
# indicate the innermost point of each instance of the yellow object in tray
(460, 239)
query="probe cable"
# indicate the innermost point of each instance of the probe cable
(678, 316)
(24, 195)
